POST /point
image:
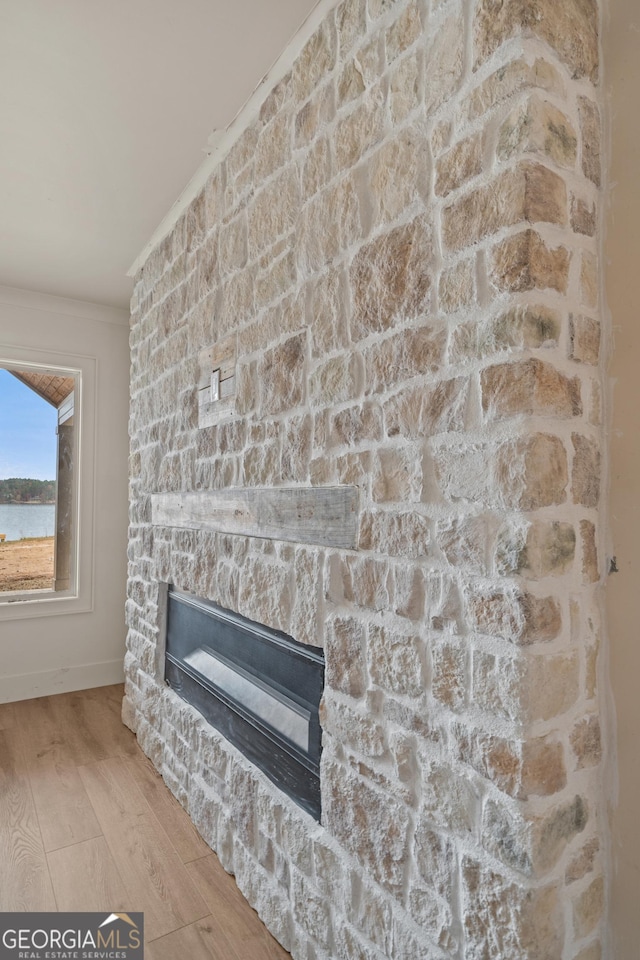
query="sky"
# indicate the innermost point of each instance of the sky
(27, 432)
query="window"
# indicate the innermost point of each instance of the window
(58, 561)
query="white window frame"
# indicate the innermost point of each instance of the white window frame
(80, 597)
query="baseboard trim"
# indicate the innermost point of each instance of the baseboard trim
(63, 680)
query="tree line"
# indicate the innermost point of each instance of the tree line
(21, 490)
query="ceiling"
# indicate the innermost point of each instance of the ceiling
(105, 112)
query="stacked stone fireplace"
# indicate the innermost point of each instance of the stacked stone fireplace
(389, 288)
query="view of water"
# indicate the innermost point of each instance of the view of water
(18, 520)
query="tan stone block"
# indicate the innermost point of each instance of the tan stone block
(590, 123)
(444, 603)
(525, 262)
(528, 387)
(588, 908)
(350, 83)
(545, 472)
(531, 845)
(394, 534)
(527, 326)
(457, 288)
(337, 380)
(444, 63)
(584, 216)
(207, 259)
(589, 279)
(449, 674)
(312, 117)
(240, 189)
(459, 164)
(233, 244)
(360, 130)
(277, 100)
(435, 859)
(195, 224)
(297, 439)
(404, 88)
(586, 742)
(543, 769)
(281, 375)
(585, 476)
(571, 29)
(321, 235)
(397, 476)
(549, 550)
(366, 582)
(550, 686)
(273, 211)
(356, 731)
(409, 593)
(536, 126)
(242, 151)
(373, 826)
(530, 192)
(403, 32)
(305, 614)
(398, 174)
(260, 466)
(518, 617)
(467, 543)
(590, 573)
(357, 424)
(351, 24)
(404, 716)
(266, 592)
(583, 862)
(395, 661)
(354, 468)
(441, 136)
(423, 411)
(274, 146)
(507, 920)
(402, 356)
(492, 757)
(345, 657)
(509, 79)
(214, 201)
(316, 60)
(497, 685)
(584, 339)
(390, 279)
(325, 312)
(450, 799)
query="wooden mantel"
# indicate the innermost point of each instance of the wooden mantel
(325, 516)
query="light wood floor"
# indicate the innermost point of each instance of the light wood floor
(87, 824)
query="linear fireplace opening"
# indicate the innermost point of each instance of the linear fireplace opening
(260, 688)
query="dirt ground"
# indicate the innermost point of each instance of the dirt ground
(26, 564)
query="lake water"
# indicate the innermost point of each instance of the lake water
(18, 520)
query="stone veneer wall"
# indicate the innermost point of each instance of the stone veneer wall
(405, 243)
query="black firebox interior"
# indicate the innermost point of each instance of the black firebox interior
(259, 687)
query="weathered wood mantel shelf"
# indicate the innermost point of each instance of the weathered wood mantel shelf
(325, 516)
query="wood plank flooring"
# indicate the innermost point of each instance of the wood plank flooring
(86, 823)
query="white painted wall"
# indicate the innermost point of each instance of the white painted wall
(41, 655)
(622, 276)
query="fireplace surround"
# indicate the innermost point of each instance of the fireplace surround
(395, 269)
